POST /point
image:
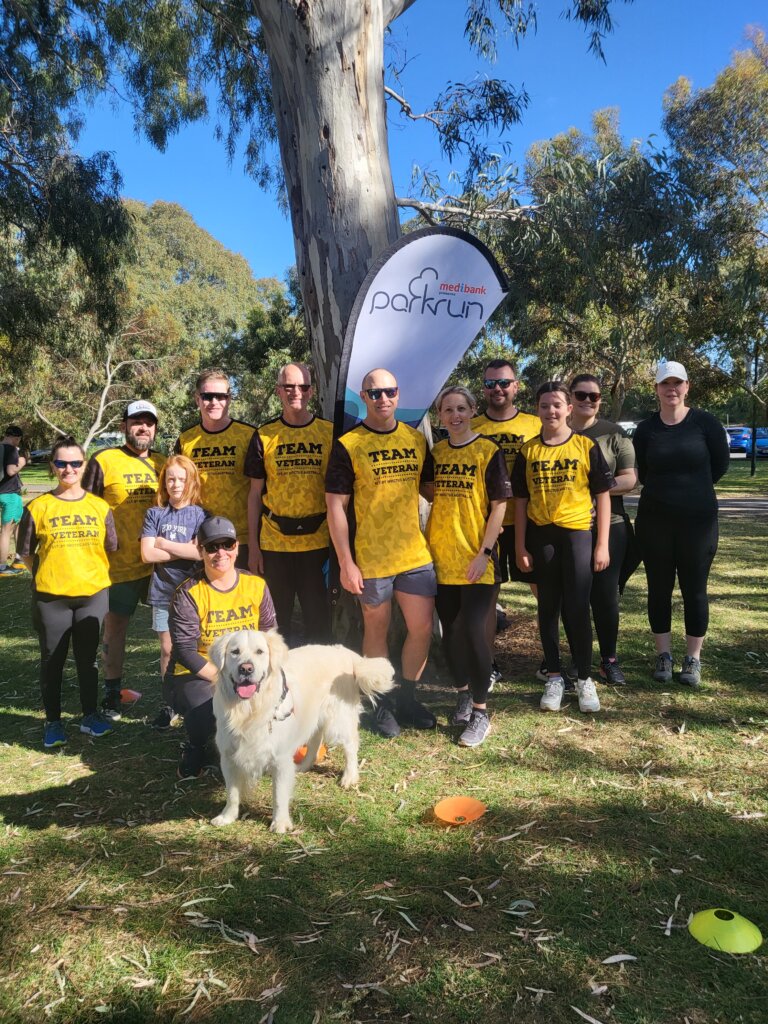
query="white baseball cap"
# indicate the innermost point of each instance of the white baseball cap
(139, 407)
(670, 369)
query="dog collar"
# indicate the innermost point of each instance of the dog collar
(284, 707)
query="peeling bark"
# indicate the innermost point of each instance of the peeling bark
(327, 68)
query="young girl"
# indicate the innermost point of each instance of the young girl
(471, 488)
(64, 538)
(167, 541)
(554, 480)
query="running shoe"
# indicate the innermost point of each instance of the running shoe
(476, 731)
(690, 673)
(18, 564)
(192, 762)
(382, 720)
(663, 671)
(111, 706)
(463, 712)
(588, 699)
(54, 735)
(409, 711)
(165, 719)
(552, 698)
(496, 677)
(9, 570)
(611, 673)
(96, 725)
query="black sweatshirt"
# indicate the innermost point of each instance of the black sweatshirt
(679, 465)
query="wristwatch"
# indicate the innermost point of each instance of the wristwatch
(488, 551)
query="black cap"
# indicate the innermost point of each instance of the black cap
(216, 528)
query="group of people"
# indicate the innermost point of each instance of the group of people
(237, 524)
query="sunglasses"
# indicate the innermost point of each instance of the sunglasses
(63, 463)
(375, 393)
(587, 396)
(504, 383)
(215, 396)
(304, 388)
(217, 545)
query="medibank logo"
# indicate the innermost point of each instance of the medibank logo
(424, 296)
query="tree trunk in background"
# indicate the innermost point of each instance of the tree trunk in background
(327, 66)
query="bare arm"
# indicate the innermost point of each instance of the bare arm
(338, 526)
(626, 481)
(177, 548)
(601, 559)
(492, 530)
(255, 506)
(522, 554)
(152, 554)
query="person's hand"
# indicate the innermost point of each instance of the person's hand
(601, 559)
(477, 567)
(352, 578)
(255, 560)
(160, 544)
(523, 560)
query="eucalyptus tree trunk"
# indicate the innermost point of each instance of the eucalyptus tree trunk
(327, 68)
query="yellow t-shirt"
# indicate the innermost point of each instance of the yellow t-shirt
(383, 472)
(509, 435)
(128, 484)
(201, 614)
(220, 461)
(560, 480)
(293, 461)
(467, 478)
(69, 541)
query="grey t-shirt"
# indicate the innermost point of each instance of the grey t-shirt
(175, 524)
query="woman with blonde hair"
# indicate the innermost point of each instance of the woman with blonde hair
(168, 542)
(471, 488)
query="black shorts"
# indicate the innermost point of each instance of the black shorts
(507, 563)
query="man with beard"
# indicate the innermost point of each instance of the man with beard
(126, 477)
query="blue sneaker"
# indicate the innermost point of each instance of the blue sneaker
(54, 735)
(96, 725)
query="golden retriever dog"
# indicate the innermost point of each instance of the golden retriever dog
(269, 701)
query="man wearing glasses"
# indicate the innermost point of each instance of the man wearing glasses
(510, 428)
(217, 445)
(288, 531)
(220, 599)
(375, 473)
(126, 478)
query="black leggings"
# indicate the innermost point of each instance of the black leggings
(604, 597)
(463, 613)
(682, 547)
(291, 574)
(562, 561)
(56, 619)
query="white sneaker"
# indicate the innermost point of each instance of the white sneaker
(552, 698)
(588, 699)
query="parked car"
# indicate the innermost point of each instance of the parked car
(740, 440)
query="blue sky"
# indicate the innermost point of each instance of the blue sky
(655, 42)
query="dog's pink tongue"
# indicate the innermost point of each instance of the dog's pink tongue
(246, 690)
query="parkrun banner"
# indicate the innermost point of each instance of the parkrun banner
(421, 306)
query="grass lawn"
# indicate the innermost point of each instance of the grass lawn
(120, 901)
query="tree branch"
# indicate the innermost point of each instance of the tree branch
(44, 418)
(486, 213)
(392, 9)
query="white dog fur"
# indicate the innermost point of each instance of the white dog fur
(286, 699)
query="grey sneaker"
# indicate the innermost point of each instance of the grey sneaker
(690, 673)
(610, 670)
(478, 728)
(463, 712)
(663, 671)
(541, 672)
(552, 697)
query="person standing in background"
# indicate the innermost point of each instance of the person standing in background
(11, 505)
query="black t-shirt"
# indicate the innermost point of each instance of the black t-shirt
(10, 484)
(679, 465)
